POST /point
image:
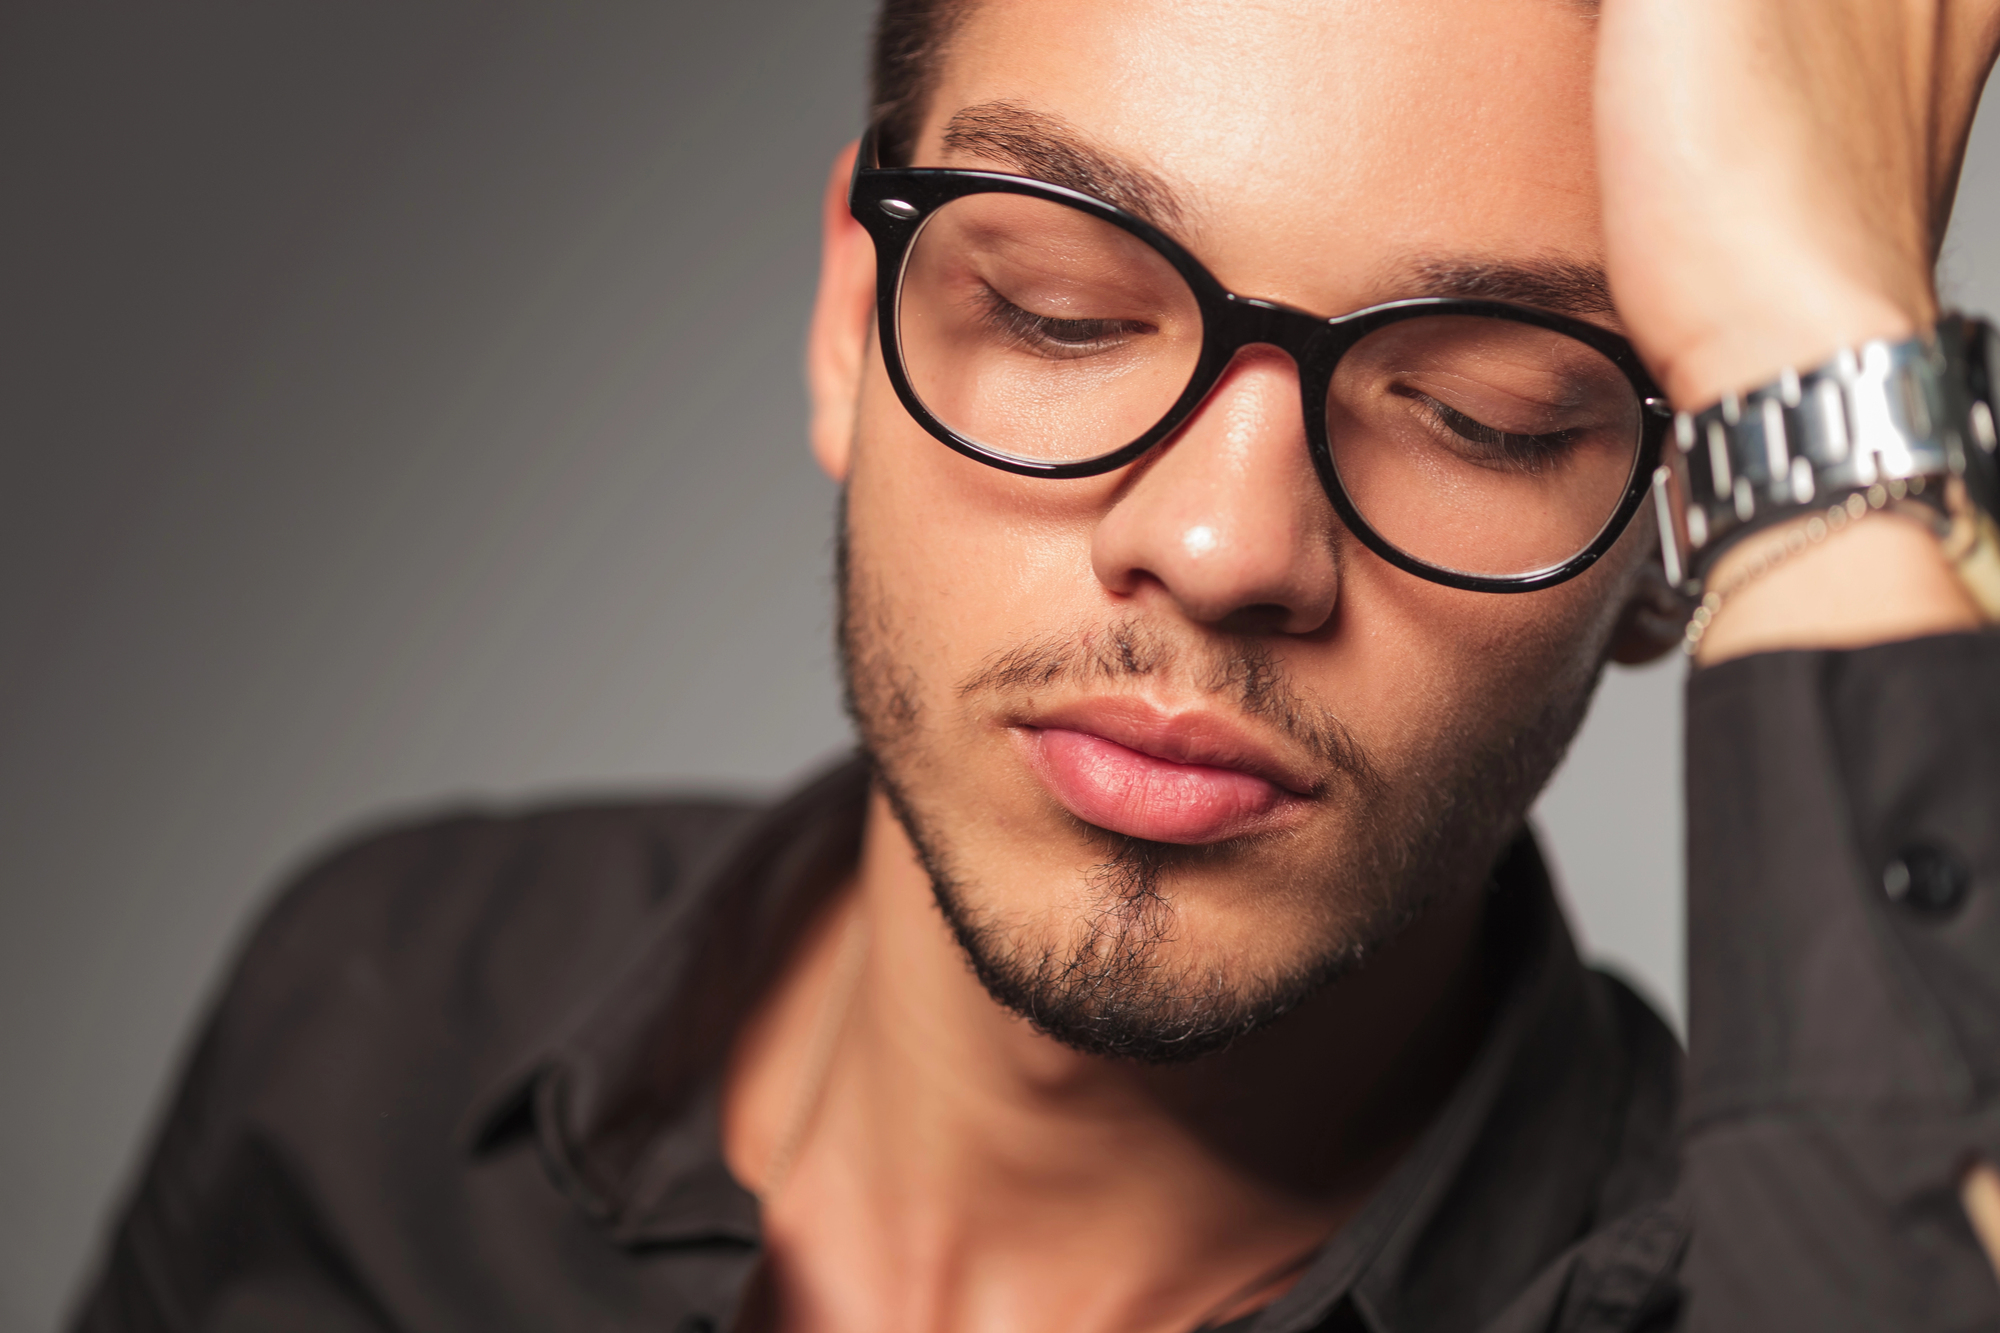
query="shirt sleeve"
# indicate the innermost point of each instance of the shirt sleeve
(1844, 986)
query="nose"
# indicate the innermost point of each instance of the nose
(1227, 518)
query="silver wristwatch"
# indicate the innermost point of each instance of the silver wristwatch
(1886, 422)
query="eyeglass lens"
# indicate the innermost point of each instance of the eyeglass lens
(1043, 333)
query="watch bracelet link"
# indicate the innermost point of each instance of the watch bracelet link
(1889, 421)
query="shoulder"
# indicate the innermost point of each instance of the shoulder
(450, 941)
(471, 878)
(385, 990)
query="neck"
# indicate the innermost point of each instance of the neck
(961, 1170)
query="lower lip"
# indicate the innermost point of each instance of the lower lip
(1106, 784)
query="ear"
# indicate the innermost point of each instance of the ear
(1653, 619)
(842, 320)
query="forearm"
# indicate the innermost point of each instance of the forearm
(1844, 1061)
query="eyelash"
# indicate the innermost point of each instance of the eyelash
(1042, 333)
(1527, 452)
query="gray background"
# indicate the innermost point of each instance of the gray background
(400, 405)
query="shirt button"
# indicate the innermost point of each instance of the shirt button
(1928, 880)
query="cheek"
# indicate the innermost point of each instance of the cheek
(967, 560)
(1427, 675)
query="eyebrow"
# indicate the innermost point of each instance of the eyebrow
(1045, 147)
(1560, 285)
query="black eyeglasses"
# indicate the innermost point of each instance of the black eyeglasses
(1038, 330)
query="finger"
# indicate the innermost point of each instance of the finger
(1980, 1193)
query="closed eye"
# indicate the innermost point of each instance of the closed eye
(1059, 339)
(1498, 448)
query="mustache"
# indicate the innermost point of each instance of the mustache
(1241, 672)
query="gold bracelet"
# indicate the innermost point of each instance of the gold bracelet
(1970, 539)
(1801, 538)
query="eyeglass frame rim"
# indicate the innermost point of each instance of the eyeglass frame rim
(1316, 343)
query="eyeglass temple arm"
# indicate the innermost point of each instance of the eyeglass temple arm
(865, 155)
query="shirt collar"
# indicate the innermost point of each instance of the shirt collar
(625, 1102)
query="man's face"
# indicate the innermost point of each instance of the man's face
(1174, 746)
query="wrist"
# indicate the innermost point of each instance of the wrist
(1875, 581)
(1883, 424)
(1754, 342)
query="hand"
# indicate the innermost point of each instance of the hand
(1777, 174)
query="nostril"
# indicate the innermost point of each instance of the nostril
(1259, 618)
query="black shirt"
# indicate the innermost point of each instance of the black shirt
(466, 1075)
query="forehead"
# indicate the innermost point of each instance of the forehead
(1318, 149)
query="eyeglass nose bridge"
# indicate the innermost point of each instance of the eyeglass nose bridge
(1232, 323)
(1243, 321)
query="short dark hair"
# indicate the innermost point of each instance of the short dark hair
(910, 38)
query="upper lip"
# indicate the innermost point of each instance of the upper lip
(1185, 736)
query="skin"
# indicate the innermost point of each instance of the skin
(962, 1170)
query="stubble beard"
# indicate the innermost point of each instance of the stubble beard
(1109, 985)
